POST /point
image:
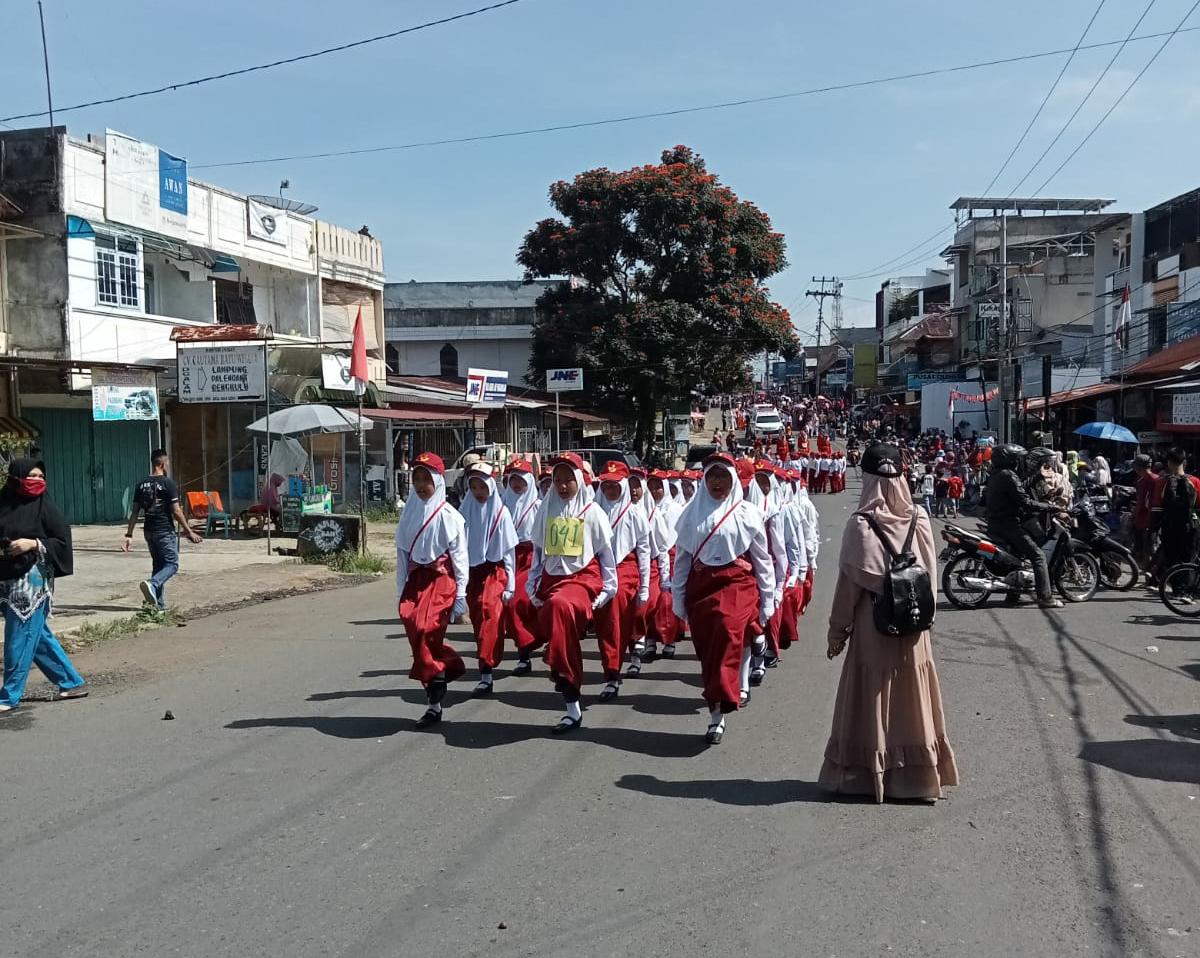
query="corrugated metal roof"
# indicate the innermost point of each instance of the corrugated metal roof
(1180, 357)
(474, 294)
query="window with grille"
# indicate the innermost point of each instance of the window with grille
(116, 271)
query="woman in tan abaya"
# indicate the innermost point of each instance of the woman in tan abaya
(889, 734)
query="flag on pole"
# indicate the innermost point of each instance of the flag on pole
(951, 410)
(358, 357)
(1121, 331)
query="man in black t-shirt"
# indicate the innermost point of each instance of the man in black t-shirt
(157, 497)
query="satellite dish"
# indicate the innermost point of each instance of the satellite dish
(283, 203)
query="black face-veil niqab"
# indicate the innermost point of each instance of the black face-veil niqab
(36, 517)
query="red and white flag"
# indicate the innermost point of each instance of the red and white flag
(951, 410)
(358, 357)
(1121, 330)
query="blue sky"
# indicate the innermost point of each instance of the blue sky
(852, 178)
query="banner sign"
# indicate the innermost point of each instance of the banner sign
(144, 187)
(267, 223)
(1185, 409)
(978, 398)
(335, 372)
(124, 395)
(866, 365)
(487, 388)
(917, 380)
(222, 374)
(564, 380)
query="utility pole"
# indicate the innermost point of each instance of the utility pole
(826, 286)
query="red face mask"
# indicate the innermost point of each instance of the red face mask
(32, 486)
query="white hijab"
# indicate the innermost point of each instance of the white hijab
(577, 507)
(769, 502)
(676, 493)
(522, 508)
(623, 529)
(427, 527)
(490, 532)
(736, 523)
(662, 523)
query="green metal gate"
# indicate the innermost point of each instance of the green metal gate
(92, 467)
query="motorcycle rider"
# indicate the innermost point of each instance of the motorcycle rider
(1008, 506)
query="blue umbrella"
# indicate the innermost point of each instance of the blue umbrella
(1107, 430)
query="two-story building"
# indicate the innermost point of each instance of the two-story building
(109, 255)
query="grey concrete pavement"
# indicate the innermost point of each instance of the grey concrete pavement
(291, 809)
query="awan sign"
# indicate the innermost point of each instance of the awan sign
(564, 380)
(487, 388)
(145, 187)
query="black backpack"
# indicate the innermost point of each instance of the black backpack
(906, 605)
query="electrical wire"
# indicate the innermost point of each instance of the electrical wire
(1124, 94)
(340, 48)
(1087, 96)
(1046, 99)
(681, 111)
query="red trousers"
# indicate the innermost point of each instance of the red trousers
(519, 618)
(722, 607)
(564, 615)
(642, 616)
(774, 627)
(486, 584)
(614, 622)
(425, 608)
(662, 624)
(808, 592)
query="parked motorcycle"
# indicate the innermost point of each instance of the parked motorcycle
(976, 568)
(1118, 568)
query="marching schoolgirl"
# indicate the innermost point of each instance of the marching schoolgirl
(687, 486)
(724, 584)
(519, 618)
(809, 524)
(545, 480)
(660, 566)
(675, 488)
(431, 581)
(823, 465)
(764, 493)
(573, 575)
(663, 625)
(491, 554)
(793, 592)
(631, 553)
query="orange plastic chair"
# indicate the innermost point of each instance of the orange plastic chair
(197, 503)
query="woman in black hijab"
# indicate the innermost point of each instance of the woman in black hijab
(35, 548)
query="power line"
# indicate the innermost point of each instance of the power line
(1124, 94)
(681, 111)
(1083, 102)
(171, 87)
(1045, 99)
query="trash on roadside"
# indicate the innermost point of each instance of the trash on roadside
(168, 716)
(1152, 648)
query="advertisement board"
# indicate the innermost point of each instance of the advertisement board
(222, 374)
(335, 371)
(144, 187)
(1185, 409)
(266, 223)
(487, 388)
(866, 365)
(564, 380)
(124, 395)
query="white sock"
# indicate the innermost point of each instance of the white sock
(485, 678)
(435, 707)
(744, 673)
(574, 711)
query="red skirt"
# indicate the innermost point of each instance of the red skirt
(789, 630)
(808, 592)
(642, 617)
(614, 622)
(722, 607)
(425, 608)
(486, 585)
(519, 618)
(564, 615)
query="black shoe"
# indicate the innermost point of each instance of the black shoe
(715, 733)
(430, 718)
(482, 690)
(610, 691)
(756, 678)
(523, 667)
(771, 661)
(668, 652)
(744, 699)
(566, 725)
(650, 654)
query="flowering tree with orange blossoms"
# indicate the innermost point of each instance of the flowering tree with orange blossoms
(666, 294)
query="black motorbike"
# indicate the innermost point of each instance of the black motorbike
(977, 568)
(1118, 568)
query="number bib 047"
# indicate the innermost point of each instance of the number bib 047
(564, 536)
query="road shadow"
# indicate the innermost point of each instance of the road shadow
(1157, 619)
(381, 673)
(1185, 726)
(734, 791)
(1147, 758)
(485, 735)
(538, 700)
(1178, 638)
(1193, 670)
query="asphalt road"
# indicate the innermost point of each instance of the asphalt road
(290, 809)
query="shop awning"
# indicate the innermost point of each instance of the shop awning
(420, 415)
(18, 427)
(1072, 395)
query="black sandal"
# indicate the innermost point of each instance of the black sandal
(610, 691)
(482, 690)
(523, 667)
(431, 717)
(716, 731)
(566, 725)
(668, 651)
(634, 669)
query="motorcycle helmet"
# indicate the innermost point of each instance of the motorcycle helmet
(1039, 457)
(1009, 456)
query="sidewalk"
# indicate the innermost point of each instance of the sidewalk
(215, 575)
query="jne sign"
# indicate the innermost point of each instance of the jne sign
(564, 380)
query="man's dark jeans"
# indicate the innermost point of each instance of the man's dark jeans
(1022, 544)
(164, 553)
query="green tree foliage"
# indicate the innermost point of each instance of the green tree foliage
(666, 294)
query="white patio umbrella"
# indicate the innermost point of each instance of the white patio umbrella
(309, 419)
